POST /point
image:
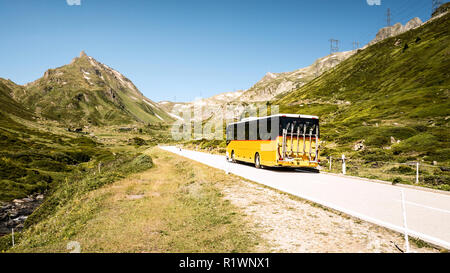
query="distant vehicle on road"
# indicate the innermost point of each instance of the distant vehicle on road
(284, 140)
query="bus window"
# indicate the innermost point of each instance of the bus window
(263, 132)
(240, 131)
(266, 132)
(232, 132)
(247, 131)
(253, 130)
(274, 124)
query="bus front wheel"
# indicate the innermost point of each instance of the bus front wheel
(257, 161)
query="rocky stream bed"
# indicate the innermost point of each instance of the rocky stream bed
(13, 214)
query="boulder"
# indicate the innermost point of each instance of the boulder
(359, 146)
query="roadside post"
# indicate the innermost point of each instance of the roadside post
(404, 222)
(227, 167)
(331, 158)
(417, 172)
(12, 233)
(343, 165)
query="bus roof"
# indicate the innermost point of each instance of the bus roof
(274, 116)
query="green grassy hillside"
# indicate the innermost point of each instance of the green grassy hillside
(393, 97)
(8, 104)
(32, 158)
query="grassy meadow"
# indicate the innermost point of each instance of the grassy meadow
(159, 203)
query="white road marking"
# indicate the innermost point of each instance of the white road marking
(424, 206)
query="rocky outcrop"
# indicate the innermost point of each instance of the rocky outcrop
(359, 146)
(395, 30)
(274, 84)
(47, 74)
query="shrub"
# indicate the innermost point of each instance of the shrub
(382, 136)
(137, 141)
(83, 141)
(402, 170)
(420, 142)
(78, 157)
(9, 170)
(436, 180)
(49, 165)
(371, 155)
(396, 180)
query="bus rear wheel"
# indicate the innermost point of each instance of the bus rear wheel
(257, 161)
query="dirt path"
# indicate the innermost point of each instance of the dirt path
(176, 206)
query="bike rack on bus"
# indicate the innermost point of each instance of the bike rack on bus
(299, 134)
(292, 137)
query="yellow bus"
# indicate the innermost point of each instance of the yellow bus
(284, 140)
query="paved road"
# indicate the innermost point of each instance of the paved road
(428, 213)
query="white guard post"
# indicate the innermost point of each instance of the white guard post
(417, 173)
(343, 165)
(404, 222)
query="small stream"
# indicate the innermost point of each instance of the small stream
(13, 214)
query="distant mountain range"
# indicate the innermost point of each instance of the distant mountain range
(274, 85)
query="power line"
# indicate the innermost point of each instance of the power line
(435, 5)
(404, 11)
(334, 45)
(355, 45)
(388, 17)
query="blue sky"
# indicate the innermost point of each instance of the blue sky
(188, 48)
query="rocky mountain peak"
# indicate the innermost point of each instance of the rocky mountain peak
(94, 92)
(271, 75)
(396, 29)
